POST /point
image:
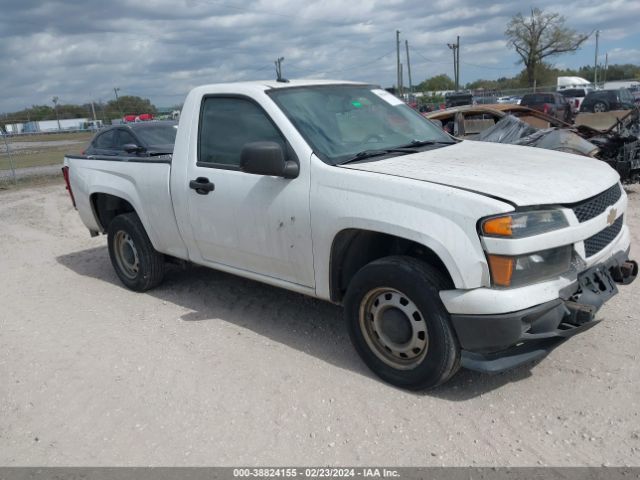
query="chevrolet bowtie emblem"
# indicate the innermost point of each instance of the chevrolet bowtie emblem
(612, 216)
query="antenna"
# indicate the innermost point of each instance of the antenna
(279, 77)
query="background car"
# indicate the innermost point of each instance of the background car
(509, 99)
(606, 100)
(485, 100)
(553, 104)
(140, 139)
(575, 97)
(455, 99)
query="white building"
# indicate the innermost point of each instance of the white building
(66, 124)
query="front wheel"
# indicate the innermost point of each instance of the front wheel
(138, 265)
(398, 324)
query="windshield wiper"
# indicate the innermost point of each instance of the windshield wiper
(423, 143)
(376, 153)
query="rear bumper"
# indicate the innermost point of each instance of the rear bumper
(493, 343)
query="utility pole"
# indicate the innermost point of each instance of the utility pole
(278, 64)
(595, 63)
(55, 107)
(455, 47)
(458, 63)
(398, 66)
(93, 110)
(116, 90)
(606, 67)
(406, 44)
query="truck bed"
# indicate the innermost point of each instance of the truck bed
(141, 181)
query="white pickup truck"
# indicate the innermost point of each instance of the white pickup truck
(444, 253)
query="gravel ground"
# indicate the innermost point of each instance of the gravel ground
(210, 369)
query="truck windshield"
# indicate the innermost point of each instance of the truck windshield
(341, 121)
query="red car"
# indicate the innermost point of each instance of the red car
(143, 117)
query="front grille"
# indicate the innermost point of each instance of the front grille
(600, 240)
(594, 206)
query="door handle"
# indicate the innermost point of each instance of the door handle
(202, 185)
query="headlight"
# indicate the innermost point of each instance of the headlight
(524, 224)
(516, 271)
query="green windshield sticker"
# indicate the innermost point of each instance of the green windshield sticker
(356, 104)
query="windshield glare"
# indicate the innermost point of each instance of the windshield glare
(339, 121)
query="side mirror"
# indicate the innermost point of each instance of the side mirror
(267, 158)
(132, 148)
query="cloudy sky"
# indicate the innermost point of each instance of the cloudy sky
(79, 50)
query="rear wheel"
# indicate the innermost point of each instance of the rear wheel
(398, 324)
(138, 265)
(600, 107)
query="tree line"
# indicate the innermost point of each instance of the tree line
(126, 105)
(536, 38)
(546, 75)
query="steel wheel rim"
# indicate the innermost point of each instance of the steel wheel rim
(402, 355)
(599, 108)
(126, 255)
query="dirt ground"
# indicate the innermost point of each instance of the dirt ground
(210, 369)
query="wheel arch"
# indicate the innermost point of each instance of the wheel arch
(107, 204)
(353, 248)
(106, 207)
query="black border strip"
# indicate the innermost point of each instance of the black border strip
(117, 158)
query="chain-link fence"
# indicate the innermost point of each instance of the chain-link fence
(10, 172)
(37, 154)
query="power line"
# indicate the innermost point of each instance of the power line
(486, 67)
(429, 60)
(354, 66)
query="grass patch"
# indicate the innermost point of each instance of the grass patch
(38, 157)
(49, 137)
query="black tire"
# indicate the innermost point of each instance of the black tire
(600, 107)
(419, 284)
(138, 265)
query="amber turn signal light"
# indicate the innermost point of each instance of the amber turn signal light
(498, 226)
(501, 269)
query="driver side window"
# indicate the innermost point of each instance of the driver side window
(226, 125)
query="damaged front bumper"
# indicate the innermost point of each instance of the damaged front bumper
(493, 343)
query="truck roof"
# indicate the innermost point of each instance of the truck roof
(269, 84)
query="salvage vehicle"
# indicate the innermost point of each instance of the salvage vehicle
(444, 253)
(470, 120)
(617, 145)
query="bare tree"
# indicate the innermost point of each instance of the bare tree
(540, 36)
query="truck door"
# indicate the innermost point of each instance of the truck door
(256, 223)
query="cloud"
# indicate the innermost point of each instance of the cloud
(81, 50)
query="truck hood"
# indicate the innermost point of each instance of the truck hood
(520, 175)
